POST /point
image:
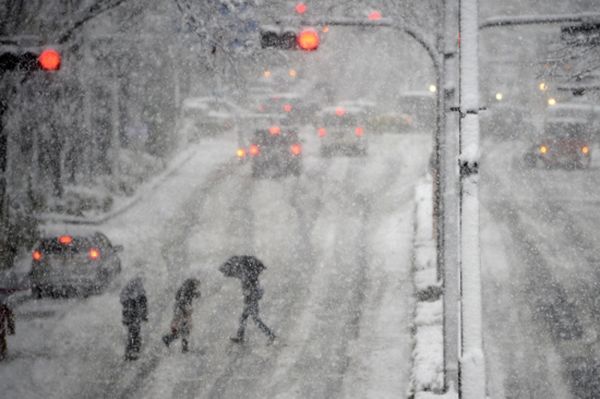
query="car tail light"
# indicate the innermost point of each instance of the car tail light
(94, 254)
(585, 150)
(287, 107)
(37, 255)
(543, 149)
(339, 111)
(254, 150)
(275, 130)
(296, 149)
(241, 153)
(65, 240)
(322, 132)
(359, 131)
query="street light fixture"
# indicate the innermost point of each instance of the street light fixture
(499, 96)
(552, 101)
(432, 88)
(543, 86)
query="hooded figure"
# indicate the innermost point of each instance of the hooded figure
(7, 326)
(247, 269)
(181, 326)
(135, 310)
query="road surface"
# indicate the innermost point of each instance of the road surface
(337, 242)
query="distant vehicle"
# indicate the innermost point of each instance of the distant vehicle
(420, 107)
(564, 142)
(211, 115)
(342, 129)
(79, 264)
(274, 151)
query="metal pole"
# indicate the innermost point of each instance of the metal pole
(472, 363)
(450, 255)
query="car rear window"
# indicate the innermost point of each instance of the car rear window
(78, 245)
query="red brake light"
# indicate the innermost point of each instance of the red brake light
(322, 132)
(49, 60)
(359, 131)
(275, 130)
(94, 253)
(308, 39)
(287, 107)
(340, 111)
(65, 240)
(296, 149)
(36, 255)
(254, 150)
(241, 153)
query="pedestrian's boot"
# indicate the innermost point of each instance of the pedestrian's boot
(184, 346)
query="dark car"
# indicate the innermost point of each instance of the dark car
(275, 151)
(565, 142)
(78, 264)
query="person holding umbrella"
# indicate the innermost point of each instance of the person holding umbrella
(247, 268)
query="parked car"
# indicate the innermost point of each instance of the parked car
(80, 264)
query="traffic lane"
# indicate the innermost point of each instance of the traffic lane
(547, 212)
(284, 213)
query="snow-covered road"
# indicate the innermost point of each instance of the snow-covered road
(540, 265)
(337, 244)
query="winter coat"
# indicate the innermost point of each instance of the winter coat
(251, 268)
(182, 312)
(134, 301)
(7, 321)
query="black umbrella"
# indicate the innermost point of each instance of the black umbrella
(238, 266)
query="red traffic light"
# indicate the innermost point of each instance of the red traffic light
(49, 60)
(308, 39)
(301, 8)
(374, 16)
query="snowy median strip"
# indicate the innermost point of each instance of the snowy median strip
(427, 376)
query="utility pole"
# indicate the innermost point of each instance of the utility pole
(472, 362)
(450, 217)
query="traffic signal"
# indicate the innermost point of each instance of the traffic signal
(288, 39)
(29, 60)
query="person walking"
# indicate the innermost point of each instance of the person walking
(181, 326)
(135, 310)
(247, 269)
(7, 326)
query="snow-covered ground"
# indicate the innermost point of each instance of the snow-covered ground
(337, 243)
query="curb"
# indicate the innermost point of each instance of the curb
(427, 374)
(172, 168)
